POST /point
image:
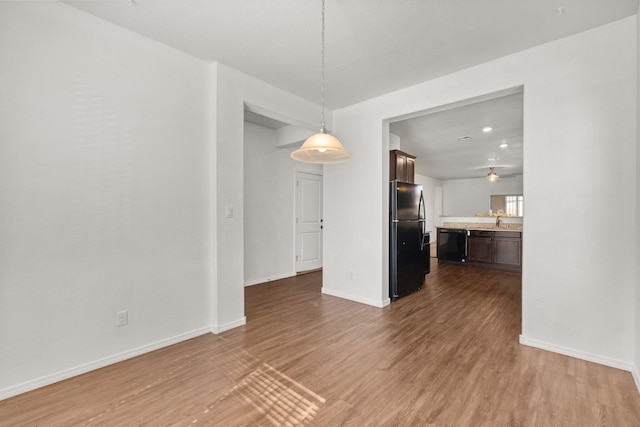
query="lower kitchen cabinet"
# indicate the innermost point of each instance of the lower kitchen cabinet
(507, 249)
(479, 246)
(496, 249)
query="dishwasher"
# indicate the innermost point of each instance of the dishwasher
(452, 245)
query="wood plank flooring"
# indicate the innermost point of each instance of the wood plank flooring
(447, 355)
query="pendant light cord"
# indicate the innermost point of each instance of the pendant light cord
(321, 147)
(322, 123)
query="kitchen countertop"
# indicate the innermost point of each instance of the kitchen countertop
(482, 226)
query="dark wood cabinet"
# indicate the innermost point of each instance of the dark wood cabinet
(401, 166)
(480, 248)
(495, 249)
(507, 248)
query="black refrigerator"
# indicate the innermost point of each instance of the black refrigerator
(408, 241)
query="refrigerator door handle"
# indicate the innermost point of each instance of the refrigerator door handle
(422, 218)
(422, 242)
(393, 208)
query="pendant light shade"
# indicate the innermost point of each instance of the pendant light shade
(492, 176)
(321, 147)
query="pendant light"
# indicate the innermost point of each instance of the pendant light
(493, 177)
(321, 147)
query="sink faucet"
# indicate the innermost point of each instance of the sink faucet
(498, 221)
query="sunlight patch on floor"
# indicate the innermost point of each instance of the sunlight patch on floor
(283, 401)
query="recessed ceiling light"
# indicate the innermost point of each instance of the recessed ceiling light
(464, 138)
(493, 159)
(487, 129)
(504, 145)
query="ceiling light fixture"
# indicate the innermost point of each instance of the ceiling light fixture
(504, 145)
(493, 177)
(487, 129)
(321, 147)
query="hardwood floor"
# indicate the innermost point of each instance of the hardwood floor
(445, 356)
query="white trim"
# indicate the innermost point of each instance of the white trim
(269, 279)
(216, 329)
(96, 364)
(309, 171)
(578, 354)
(636, 377)
(379, 304)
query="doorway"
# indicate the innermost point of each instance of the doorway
(270, 195)
(456, 147)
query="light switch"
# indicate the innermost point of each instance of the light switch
(228, 211)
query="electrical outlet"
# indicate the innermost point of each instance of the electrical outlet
(122, 318)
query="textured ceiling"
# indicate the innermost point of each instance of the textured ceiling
(374, 47)
(450, 143)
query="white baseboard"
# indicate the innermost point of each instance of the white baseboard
(636, 377)
(578, 354)
(216, 329)
(379, 304)
(97, 364)
(269, 279)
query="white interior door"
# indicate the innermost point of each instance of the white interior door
(308, 221)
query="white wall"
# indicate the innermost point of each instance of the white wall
(394, 142)
(103, 173)
(231, 90)
(466, 197)
(579, 117)
(269, 196)
(113, 190)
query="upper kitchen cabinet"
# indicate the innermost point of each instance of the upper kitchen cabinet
(401, 166)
